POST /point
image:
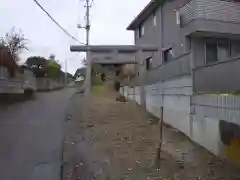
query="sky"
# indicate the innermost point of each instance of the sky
(109, 19)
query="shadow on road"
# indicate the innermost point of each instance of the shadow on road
(8, 99)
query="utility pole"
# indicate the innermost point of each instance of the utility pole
(87, 22)
(87, 82)
(89, 61)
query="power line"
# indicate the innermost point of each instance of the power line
(64, 30)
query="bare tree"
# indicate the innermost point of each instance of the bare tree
(84, 61)
(15, 41)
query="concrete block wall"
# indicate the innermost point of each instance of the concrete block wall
(216, 123)
(29, 80)
(45, 84)
(137, 94)
(205, 131)
(177, 102)
(197, 116)
(10, 85)
(153, 99)
(174, 95)
(17, 84)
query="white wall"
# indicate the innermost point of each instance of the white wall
(45, 84)
(174, 95)
(137, 95)
(207, 112)
(153, 99)
(29, 80)
(176, 102)
(130, 93)
(10, 85)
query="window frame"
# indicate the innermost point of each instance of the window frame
(148, 63)
(164, 55)
(217, 45)
(205, 49)
(141, 30)
(154, 19)
(229, 49)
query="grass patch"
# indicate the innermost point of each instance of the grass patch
(97, 90)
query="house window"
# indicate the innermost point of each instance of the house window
(154, 19)
(141, 30)
(168, 55)
(211, 53)
(223, 51)
(217, 52)
(149, 63)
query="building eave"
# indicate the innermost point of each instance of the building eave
(145, 13)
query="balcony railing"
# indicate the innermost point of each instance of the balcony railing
(216, 10)
(179, 66)
(222, 77)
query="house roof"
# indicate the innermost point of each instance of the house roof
(6, 58)
(145, 13)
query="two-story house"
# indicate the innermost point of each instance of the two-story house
(199, 39)
(199, 54)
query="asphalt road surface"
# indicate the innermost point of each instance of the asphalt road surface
(31, 134)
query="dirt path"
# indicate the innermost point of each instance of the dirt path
(113, 140)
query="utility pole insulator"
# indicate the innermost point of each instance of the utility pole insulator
(88, 27)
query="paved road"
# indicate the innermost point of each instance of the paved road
(31, 137)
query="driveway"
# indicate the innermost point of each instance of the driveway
(31, 136)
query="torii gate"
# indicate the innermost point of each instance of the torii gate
(113, 51)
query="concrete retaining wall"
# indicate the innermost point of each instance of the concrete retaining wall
(25, 81)
(10, 85)
(197, 116)
(174, 95)
(47, 84)
(29, 80)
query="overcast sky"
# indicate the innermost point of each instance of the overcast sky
(109, 19)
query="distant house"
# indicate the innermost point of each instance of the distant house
(7, 62)
(10, 73)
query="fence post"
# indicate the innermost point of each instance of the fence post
(159, 148)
